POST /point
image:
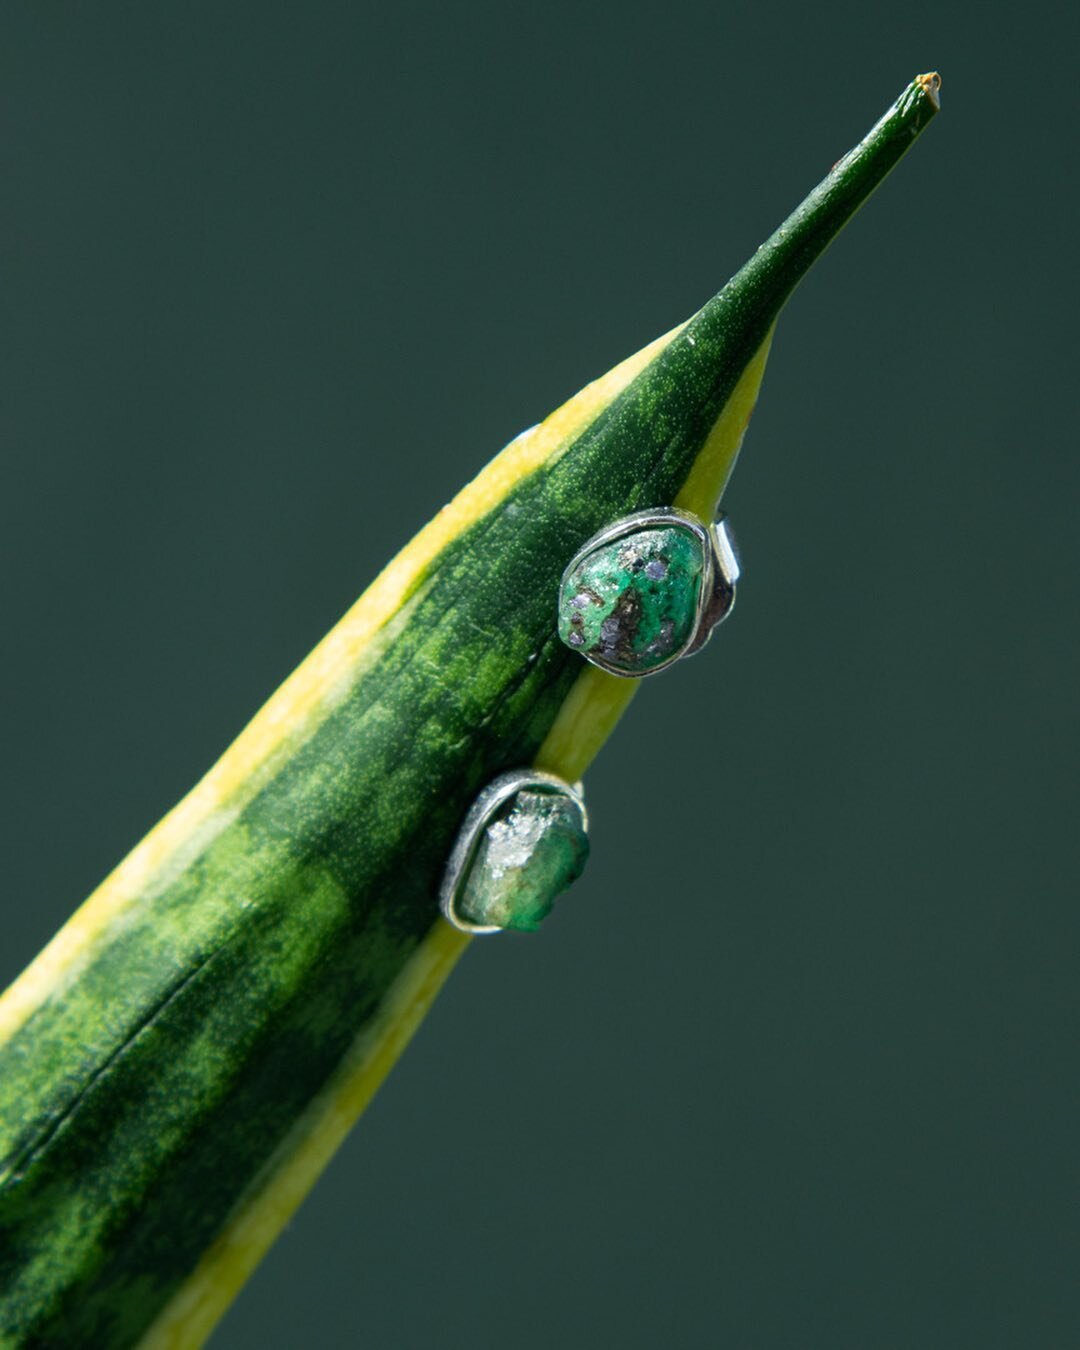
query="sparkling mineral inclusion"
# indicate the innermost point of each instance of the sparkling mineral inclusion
(632, 604)
(525, 858)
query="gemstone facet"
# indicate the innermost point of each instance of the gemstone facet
(525, 858)
(523, 842)
(632, 604)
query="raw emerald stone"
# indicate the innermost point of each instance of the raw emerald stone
(631, 605)
(525, 858)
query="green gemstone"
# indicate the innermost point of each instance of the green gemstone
(632, 604)
(525, 858)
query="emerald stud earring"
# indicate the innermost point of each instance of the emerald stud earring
(523, 842)
(648, 590)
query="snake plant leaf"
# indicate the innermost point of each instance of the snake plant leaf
(181, 1061)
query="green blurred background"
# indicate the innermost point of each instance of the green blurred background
(794, 1066)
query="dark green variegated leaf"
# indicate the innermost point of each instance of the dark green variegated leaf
(182, 1060)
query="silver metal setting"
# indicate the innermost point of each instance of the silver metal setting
(494, 796)
(716, 598)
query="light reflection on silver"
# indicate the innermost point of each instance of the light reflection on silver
(716, 598)
(497, 793)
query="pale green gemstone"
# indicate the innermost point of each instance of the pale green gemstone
(632, 605)
(525, 858)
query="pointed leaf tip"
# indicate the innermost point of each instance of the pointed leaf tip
(930, 84)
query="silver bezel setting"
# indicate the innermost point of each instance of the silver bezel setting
(497, 792)
(716, 598)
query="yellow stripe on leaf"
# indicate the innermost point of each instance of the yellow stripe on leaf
(594, 705)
